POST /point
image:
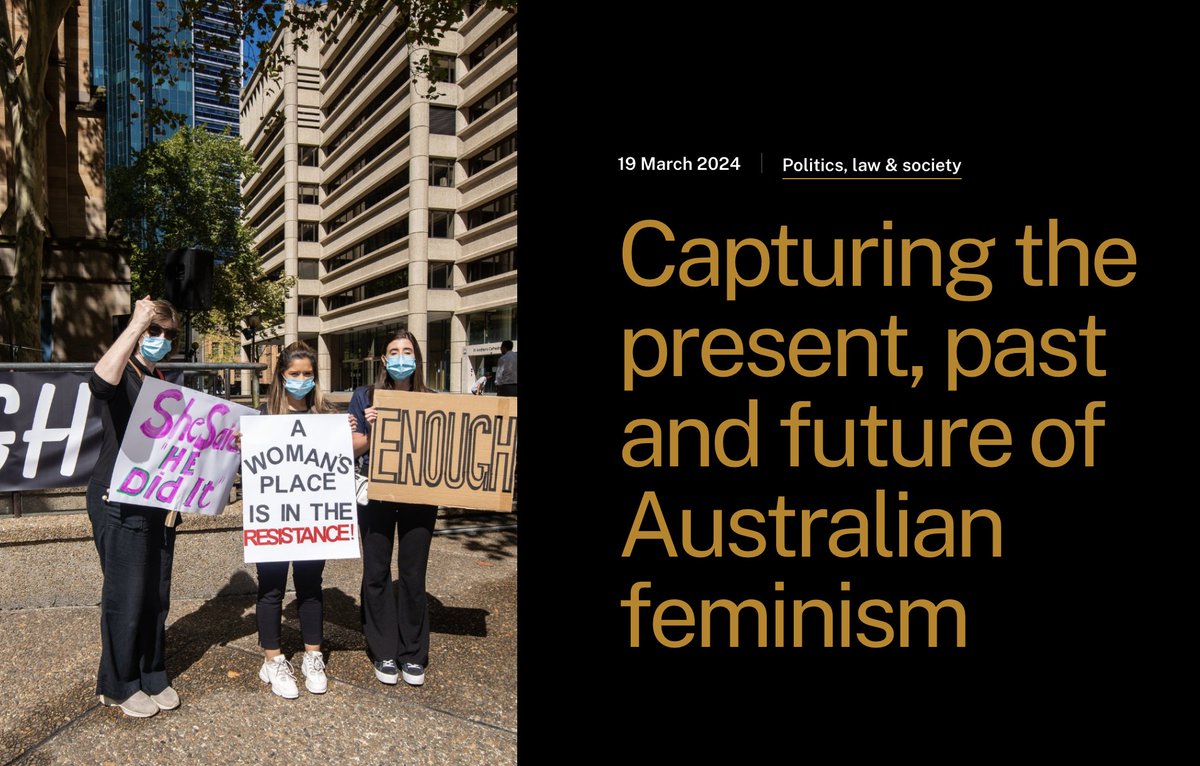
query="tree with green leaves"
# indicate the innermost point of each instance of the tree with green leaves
(168, 55)
(186, 192)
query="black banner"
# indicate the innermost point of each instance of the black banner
(49, 430)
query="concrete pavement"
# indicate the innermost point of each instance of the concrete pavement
(464, 714)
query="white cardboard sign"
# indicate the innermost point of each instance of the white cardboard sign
(298, 499)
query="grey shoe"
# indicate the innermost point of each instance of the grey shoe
(138, 705)
(167, 699)
(412, 673)
(385, 671)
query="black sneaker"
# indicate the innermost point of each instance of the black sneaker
(385, 671)
(412, 673)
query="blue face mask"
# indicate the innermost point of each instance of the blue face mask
(155, 348)
(299, 387)
(400, 366)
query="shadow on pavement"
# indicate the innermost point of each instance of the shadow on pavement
(219, 621)
(497, 544)
(345, 613)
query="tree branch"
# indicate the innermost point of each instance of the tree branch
(43, 28)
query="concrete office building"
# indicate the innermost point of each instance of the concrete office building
(391, 209)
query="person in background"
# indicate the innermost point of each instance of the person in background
(294, 390)
(136, 543)
(506, 370)
(506, 383)
(480, 384)
(397, 633)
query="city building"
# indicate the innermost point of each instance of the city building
(196, 94)
(391, 208)
(85, 278)
(93, 124)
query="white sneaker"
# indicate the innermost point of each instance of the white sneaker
(313, 670)
(279, 674)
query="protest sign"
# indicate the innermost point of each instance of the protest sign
(298, 488)
(444, 449)
(179, 450)
(50, 432)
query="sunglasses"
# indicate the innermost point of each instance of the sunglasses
(168, 333)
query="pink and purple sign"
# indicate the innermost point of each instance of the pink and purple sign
(179, 450)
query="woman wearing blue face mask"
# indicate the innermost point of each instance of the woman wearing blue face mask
(136, 544)
(294, 390)
(396, 625)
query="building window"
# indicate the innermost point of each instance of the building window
(309, 156)
(492, 154)
(492, 326)
(47, 323)
(492, 99)
(441, 172)
(308, 307)
(368, 114)
(441, 223)
(331, 106)
(276, 275)
(379, 194)
(308, 231)
(257, 180)
(354, 39)
(270, 244)
(442, 67)
(309, 195)
(491, 265)
(492, 43)
(437, 354)
(441, 276)
(393, 233)
(308, 268)
(397, 280)
(492, 210)
(443, 120)
(371, 154)
(272, 211)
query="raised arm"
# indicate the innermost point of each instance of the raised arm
(112, 365)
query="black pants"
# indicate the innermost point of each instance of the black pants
(272, 582)
(396, 619)
(136, 551)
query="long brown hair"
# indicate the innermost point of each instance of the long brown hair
(418, 377)
(277, 397)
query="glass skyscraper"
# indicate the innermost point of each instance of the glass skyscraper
(222, 58)
(196, 94)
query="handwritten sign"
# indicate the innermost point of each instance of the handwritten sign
(444, 449)
(298, 488)
(179, 450)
